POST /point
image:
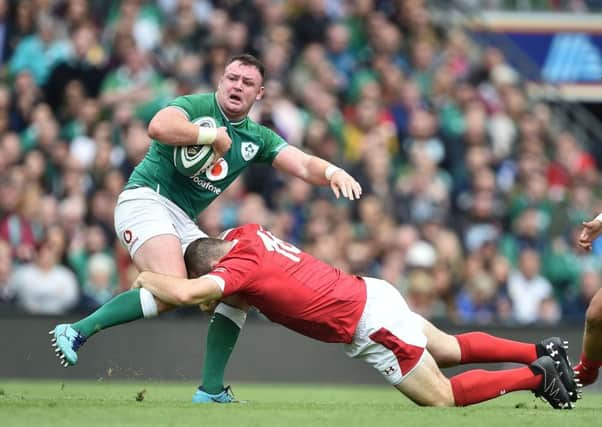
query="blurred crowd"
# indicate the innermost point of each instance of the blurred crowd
(472, 195)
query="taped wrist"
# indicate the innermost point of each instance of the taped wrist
(330, 170)
(206, 136)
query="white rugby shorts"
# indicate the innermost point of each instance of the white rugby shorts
(142, 213)
(389, 336)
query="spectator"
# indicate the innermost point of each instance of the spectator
(338, 51)
(528, 290)
(6, 29)
(477, 300)
(44, 286)
(41, 52)
(137, 83)
(87, 65)
(6, 273)
(101, 284)
(312, 23)
(15, 227)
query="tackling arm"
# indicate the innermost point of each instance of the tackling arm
(178, 291)
(317, 171)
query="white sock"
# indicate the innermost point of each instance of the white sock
(237, 315)
(148, 303)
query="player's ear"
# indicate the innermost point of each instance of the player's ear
(260, 94)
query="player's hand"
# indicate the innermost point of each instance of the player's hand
(590, 231)
(208, 307)
(221, 144)
(343, 183)
(137, 284)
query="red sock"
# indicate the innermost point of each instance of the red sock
(479, 385)
(481, 347)
(588, 363)
(587, 370)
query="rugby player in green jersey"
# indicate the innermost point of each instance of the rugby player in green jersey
(591, 354)
(155, 214)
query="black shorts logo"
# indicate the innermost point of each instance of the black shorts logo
(390, 370)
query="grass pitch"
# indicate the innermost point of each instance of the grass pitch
(112, 403)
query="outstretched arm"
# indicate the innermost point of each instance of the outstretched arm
(178, 291)
(590, 231)
(315, 170)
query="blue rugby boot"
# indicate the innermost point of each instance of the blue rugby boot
(66, 341)
(225, 396)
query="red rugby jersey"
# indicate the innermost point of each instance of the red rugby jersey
(291, 287)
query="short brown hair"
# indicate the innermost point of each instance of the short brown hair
(248, 59)
(201, 253)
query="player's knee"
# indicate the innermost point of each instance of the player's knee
(593, 316)
(441, 399)
(431, 389)
(444, 398)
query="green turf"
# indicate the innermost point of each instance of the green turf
(111, 403)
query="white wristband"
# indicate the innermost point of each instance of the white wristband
(599, 217)
(206, 136)
(330, 170)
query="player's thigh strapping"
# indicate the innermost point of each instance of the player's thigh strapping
(142, 213)
(389, 336)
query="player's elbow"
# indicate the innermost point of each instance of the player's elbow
(156, 128)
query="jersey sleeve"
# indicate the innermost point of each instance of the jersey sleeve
(272, 145)
(237, 269)
(196, 105)
(185, 104)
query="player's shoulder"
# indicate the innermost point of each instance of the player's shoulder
(198, 95)
(194, 98)
(193, 103)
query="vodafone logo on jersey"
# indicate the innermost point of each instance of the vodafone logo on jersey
(217, 171)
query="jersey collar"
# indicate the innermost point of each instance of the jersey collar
(240, 122)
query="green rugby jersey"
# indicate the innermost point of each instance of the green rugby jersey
(251, 142)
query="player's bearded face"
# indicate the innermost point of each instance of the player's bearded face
(239, 88)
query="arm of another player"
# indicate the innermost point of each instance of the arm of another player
(171, 126)
(317, 171)
(590, 231)
(178, 291)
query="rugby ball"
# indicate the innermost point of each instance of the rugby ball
(192, 160)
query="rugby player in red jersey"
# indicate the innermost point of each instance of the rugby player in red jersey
(368, 316)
